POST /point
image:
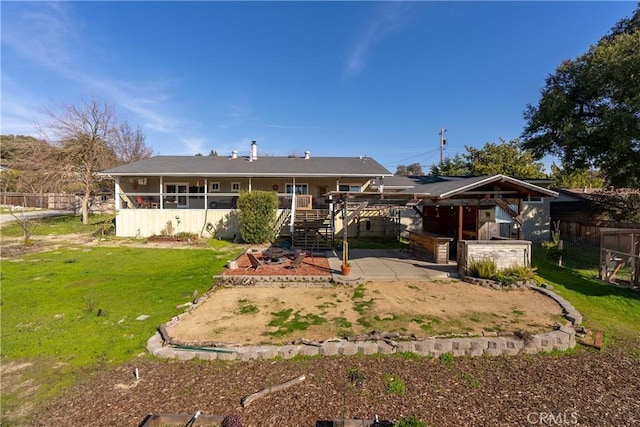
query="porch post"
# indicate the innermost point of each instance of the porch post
(249, 184)
(292, 220)
(161, 195)
(118, 204)
(206, 194)
(520, 228)
(460, 210)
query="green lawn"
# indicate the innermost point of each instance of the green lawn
(74, 310)
(606, 307)
(58, 226)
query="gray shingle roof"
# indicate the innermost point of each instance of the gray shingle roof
(241, 166)
(444, 189)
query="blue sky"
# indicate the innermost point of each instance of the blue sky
(336, 78)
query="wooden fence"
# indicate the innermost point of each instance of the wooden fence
(591, 229)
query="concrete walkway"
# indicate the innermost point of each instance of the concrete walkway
(383, 265)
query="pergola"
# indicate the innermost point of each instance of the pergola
(451, 206)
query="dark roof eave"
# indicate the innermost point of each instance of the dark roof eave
(254, 175)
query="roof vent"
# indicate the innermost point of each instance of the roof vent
(234, 154)
(307, 154)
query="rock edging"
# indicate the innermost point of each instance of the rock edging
(561, 339)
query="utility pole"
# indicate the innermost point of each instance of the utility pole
(443, 141)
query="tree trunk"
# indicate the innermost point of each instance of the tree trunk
(85, 206)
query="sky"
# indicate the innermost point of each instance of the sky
(376, 79)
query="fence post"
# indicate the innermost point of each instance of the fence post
(560, 246)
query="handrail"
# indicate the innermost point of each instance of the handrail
(280, 221)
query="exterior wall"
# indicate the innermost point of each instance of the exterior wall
(505, 253)
(537, 220)
(149, 222)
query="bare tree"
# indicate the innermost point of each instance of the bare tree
(130, 144)
(90, 138)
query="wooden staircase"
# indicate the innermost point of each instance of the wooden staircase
(312, 230)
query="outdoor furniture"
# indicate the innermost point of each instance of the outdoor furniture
(142, 203)
(255, 262)
(298, 262)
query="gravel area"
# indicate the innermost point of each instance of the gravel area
(585, 388)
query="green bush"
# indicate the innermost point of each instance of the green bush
(395, 385)
(552, 251)
(257, 213)
(519, 272)
(484, 269)
(409, 422)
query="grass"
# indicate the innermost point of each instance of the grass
(69, 224)
(286, 325)
(605, 307)
(51, 301)
(74, 310)
(394, 384)
(245, 306)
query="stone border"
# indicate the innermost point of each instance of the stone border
(561, 339)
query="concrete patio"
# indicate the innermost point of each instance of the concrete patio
(389, 265)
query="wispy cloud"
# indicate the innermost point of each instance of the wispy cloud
(386, 19)
(194, 145)
(52, 37)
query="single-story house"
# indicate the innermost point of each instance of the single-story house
(197, 194)
(171, 194)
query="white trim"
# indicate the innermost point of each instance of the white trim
(175, 197)
(533, 200)
(350, 187)
(288, 187)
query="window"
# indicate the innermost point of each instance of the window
(532, 199)
(300, 189)
(215, 186)
(351, 188)
(235, 186)
(176, 193)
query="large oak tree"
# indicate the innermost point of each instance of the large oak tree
(589, 111)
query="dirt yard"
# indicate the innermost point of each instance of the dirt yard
(276, 315)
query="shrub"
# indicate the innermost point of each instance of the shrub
(395, 385)
(257, 213)
(409, 422)
(356, 376)
(484, 269)
(520, 272)
(552, 251)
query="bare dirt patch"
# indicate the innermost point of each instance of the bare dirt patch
(250, 316)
